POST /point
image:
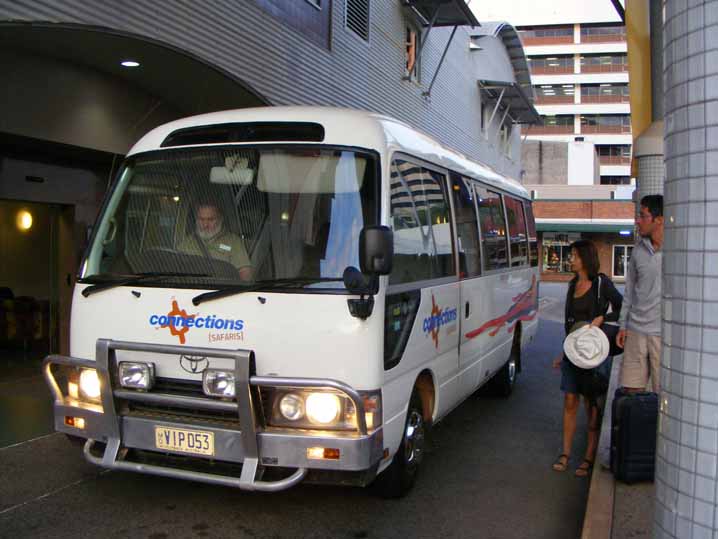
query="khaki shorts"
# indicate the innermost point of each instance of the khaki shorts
(641, 358)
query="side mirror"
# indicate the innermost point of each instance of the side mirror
(376, 250)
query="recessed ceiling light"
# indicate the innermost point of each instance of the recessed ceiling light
(130, 63)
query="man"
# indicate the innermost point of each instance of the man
(211, 238)
(640, 320)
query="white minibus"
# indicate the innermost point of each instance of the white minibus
(288, 294)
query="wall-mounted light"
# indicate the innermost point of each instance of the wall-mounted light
(129, 63)
(23, 220)
(625, 232)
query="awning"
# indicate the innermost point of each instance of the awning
(582, 227)
(443, 12)
(510, 94)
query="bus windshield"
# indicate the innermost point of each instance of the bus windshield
(227, 216)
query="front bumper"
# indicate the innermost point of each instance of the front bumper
(249, 443)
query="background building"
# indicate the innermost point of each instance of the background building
(577, 163)
(83, 81)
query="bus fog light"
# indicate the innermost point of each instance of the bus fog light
(323, 408)
(217, 383)
(292, 407)
(90, 385)
(137, 375)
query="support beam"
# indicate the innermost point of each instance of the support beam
(427, 93)
(619, 9)
(493, 113)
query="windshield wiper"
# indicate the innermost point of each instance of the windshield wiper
(137, 278)
(269, 284)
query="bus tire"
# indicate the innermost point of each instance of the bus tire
(398, 479)
(503, 382)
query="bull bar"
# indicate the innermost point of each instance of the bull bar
(252, 446)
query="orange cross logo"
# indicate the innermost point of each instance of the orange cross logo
(177, 322)
(435, 313)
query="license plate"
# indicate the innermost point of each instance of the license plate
(196, 442)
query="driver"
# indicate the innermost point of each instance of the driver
(210, 237)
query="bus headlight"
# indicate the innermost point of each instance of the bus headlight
(90, 385)
(323, 408)
(136, 375)
(218, 383)
(326, 410)
(292, 407)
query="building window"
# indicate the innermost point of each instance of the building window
(615, 180)
(547, 35)
(614, 154)
(505, 139)
(421, 219)
(356, 17)
(556, 251)
(555, 93)
(547, 31)
(548, 90)
(604, 93)
(550, 64)
(412, 47)
(621, 256)
(565, 120)
(602, 33)
(604, 89)
(605, 123)
(604, 63)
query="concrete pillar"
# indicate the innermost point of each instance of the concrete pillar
(687, 456)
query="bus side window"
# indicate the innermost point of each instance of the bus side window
(517, 231)
(493, 229)
(533, 243)
(421, 220)
(467, 227)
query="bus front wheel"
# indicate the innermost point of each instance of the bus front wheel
(397, 480)
(502, 384)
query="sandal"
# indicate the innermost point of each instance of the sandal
(561, 463)
(584, 469)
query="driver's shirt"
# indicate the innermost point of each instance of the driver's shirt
(224, 246)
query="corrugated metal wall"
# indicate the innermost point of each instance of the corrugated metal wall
(286, 68)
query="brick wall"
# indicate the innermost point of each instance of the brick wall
(584, 209)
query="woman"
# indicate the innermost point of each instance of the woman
(585, 304)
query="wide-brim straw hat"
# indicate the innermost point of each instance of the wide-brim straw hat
(587, 347)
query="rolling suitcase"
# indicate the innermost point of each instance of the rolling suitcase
(634, 423)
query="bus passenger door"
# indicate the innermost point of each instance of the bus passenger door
(468, 246)
(423, 275)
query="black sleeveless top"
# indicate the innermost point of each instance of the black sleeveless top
(581, 309)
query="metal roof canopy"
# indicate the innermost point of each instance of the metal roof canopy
(439, 13)
(443, 12)
(510, 98)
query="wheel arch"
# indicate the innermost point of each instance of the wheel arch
(425, 386)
